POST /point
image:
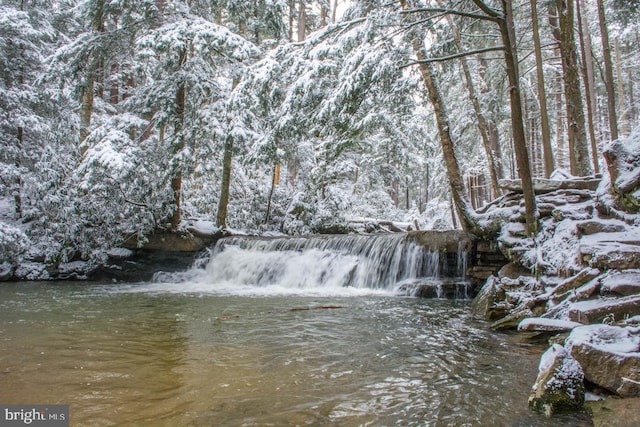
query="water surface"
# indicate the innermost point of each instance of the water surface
(151, 354)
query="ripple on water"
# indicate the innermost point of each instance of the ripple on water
(139, 358)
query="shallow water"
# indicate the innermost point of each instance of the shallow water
(141, 355)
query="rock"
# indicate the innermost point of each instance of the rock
(538, 324)
(576, 281)
(513, 271)
(172, 242)
(582, 293)
(6, 271)
(486, 302)
(609, 356)
(450, 241)
(543, 185)
(74, 270)
(600, 226)
(596, 310)
(479, 273)
(437, 289)
(621, 283)
(119, 253)
(512, 320)
(610, 255)
(615, 412)
(623, 157)
(560, 383)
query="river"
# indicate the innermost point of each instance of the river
(156, 355)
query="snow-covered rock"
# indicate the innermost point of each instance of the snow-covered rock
(621, 283)
(560, 383)
(596, 310)
(623, 161)
(546, 325)
(609, 356)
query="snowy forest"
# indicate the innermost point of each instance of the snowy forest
(120, 117)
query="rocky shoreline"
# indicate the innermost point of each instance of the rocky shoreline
(576, 287)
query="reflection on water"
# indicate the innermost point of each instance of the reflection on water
(201, 360)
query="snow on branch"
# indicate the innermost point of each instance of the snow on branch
(454, 56)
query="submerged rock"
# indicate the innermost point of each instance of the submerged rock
(615, 412)
(609, 356)
(560, 383)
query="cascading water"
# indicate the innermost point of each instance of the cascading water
(326, 264)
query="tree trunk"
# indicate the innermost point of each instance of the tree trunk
(589, 81)
(577, 135)
(483, 126)
(492, 129)
(114, 89)
(302, 21)
(549, 163)
(94, 64)
(225, 185)
(221, 217)
(456, 183)
(334, 11)
(86, 110)
(608, 68)
(623, 128)
(177, 148)
(507, 33)
(561, 150)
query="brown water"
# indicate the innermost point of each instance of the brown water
(197, 359)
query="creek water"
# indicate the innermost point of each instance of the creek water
(215, 346)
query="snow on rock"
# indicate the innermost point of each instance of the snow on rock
(593, 226)
(621, 283)
(119, 253)
(203, 228)
(597, 310)
(619, 250)
(609, 356)
(546, 325)
(623, 183)
(560, 383)
(28, 270)
(573, 282)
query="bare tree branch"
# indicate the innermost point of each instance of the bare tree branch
(454, 56)
(444, 10)
(495, 14)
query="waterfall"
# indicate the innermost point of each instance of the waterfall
(327, 263)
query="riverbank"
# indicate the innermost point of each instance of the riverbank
(576, 286)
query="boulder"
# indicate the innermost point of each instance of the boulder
(593, 226)
(576, 281)
(451, 241)
(596, 310)
(486, 303)
(539, 324)
(623, 158)
(609, 356)
(610, 255)
(621, 283)
(560, 383)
